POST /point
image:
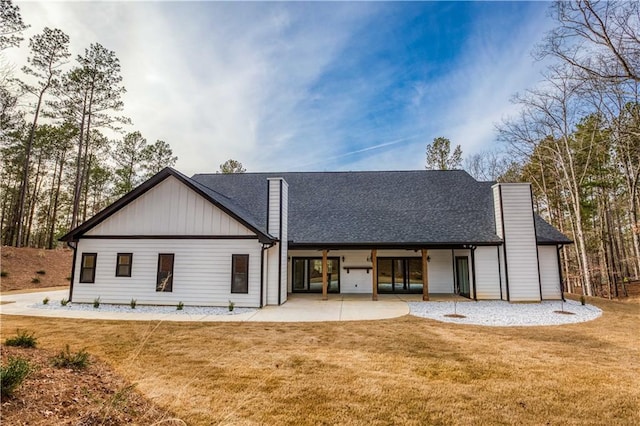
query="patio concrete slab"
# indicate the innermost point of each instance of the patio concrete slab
(298, 308)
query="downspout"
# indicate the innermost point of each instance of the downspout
(73, 267)
(473, 271)
(265, 247)
(535, 233)
(499, 271)
(280, 250)
(560, 279)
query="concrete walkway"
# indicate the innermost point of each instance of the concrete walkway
(298, 308)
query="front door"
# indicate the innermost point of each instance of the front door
(462, 276)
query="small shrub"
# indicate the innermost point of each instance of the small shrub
(68, 359)
(64, 302)
(96, 302)
(13, 374)
(45, 301)
(582, 300)
(24, 339)
(133, 303)
(35, 280)
(180, 306)
(231, 306)
(41, 272)
(4, 274)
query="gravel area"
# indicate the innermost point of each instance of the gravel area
(498, 313)
(143, 309)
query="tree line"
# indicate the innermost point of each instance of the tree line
(576, 138)
(58, 165)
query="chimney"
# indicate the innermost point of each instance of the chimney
(277, 224)
(515, 224)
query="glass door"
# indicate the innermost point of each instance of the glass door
(462, 276)
(307, 275)
(399, 275)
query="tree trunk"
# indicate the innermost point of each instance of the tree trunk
(56, 197)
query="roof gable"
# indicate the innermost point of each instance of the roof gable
(171, 204)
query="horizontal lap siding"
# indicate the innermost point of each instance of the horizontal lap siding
(549, 274)
(487, 273)
(520, 243)
(170, 208)
(202, 272)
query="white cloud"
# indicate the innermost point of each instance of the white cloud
(229, 80)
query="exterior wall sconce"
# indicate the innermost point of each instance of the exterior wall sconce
(428, 258)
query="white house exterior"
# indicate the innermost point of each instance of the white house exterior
(254, 238)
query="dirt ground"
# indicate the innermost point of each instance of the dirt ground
(20, 268)
(63, 396)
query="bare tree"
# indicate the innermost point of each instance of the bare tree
(601, 39)
(487, 165)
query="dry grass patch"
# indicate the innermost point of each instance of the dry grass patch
(401, 371)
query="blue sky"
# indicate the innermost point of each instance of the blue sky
(310, 86)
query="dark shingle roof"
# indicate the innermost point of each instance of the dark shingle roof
(351, 208)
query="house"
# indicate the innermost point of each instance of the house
(253, 238)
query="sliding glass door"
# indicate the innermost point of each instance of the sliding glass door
(399, 275)
(307, 275)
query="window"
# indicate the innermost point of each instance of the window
(165, 272)
(123, 264)
(240, 273)
(88, 268)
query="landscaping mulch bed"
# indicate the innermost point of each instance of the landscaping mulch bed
(62, 396)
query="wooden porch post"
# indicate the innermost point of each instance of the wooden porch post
(425, 275)
(374, 272)
(324, 275)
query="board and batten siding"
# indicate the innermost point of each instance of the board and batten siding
(487, 273)
(520, 241)
(170, 208)
(549, 274)
(201, 272)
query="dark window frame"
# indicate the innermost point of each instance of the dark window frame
(245, 285)
(169, 287)
(119, 265)
(83, 268)
(406, 271)
(307, 275)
